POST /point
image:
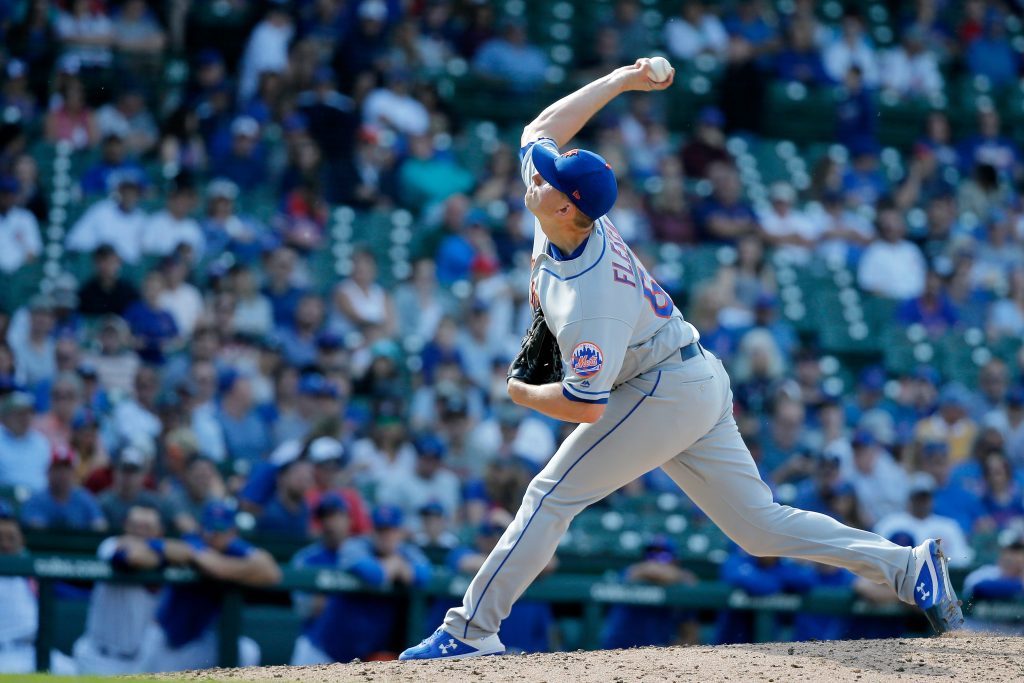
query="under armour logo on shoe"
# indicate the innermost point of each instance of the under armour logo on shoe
(922, 591)
(450, 645)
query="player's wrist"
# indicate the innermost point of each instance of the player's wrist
(620, 79)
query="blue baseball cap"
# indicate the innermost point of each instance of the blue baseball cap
(433, 508)
(954, 394)
(584, 177)
(330, 504)
(660, 549)
(872, 378)
(429, 446)
(927, 373)
(218, 516)
(862, 437)
(226, 381)
(315, 385)
(387, 517)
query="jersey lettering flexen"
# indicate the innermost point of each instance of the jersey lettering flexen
(613, 321)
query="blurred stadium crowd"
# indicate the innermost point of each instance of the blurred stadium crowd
(263, 253)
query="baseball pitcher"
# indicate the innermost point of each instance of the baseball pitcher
(608, 349)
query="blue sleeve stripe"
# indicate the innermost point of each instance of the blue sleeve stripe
(592, 393)
(525, 151)
(565, 392)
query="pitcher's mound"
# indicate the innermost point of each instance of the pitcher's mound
(967, 657)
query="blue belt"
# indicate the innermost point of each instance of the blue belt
(691, 350)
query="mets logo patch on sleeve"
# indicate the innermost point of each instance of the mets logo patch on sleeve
(587, 359)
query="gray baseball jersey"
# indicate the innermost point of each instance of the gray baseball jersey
(620, 336)
(613, 321)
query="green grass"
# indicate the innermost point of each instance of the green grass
(47, 678)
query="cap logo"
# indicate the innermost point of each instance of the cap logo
(576, 194)
(571, 153)
(587, 359)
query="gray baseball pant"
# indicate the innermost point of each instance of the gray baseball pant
(677, 417)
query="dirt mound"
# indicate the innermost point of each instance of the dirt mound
(966, 657)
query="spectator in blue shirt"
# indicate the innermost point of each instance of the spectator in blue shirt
(261, 484)
(225, 230)
(64, 504)
(185, 633)
(333, 515)
(933, 310)
(856, 114)
(245, 434)
(128, 489)
(1001, 499)
(358, 625)
(993, 57)
(758, 577)
(725, 217)
(1003, 580)
(783, 434)
(801, 60)
(815, 494)
(456, 252)
(286, 514)
(242, 158)
(869, 394)
(989, 146)
(863, 182)
(748, 22)
(279, 265)
(299, 339)
(510, 59)
(950, 497)
(112, 160)
(24, 452)
(643, 625)
(151, 325)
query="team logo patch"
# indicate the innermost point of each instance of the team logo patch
(587, 359)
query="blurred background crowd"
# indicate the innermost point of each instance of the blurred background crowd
(275, 252)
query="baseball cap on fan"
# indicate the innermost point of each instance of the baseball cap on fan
(584, 177)
(217, 516)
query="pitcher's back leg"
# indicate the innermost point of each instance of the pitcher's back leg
(719, 475)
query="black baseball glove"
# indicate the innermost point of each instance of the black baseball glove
(539, 360)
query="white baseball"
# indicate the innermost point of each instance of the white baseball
(660, 69)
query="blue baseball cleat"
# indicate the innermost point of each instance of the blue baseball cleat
(933, 591)
(443, 645)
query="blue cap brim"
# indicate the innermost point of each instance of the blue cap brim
(544, 161)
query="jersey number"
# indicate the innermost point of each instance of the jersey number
(660, 301)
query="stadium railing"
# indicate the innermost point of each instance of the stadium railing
(593, 593)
